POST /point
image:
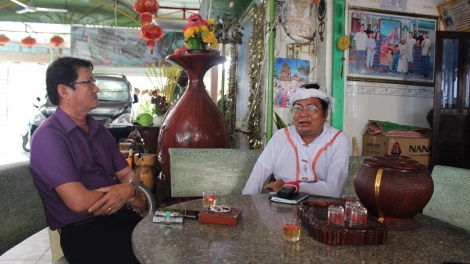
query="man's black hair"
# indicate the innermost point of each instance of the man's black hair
(63, 71)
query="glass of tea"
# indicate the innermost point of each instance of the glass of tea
(291, 229)
(209, 198)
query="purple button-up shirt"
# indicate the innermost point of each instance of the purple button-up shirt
(62, 152)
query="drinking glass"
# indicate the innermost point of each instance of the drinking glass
(358, 217)
(348, 209)
(291, 229)
(336, 215)
(209, 198)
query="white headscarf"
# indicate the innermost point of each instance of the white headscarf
(303, 93)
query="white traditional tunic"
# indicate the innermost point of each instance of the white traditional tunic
(321, 167)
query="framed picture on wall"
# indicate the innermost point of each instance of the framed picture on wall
(454, 13)
(393, 47)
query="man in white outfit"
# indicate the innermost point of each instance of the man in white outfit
(410, 42)
(360, 39)
(425, 53)
(310, 152)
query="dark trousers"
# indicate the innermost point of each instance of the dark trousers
(102, 239)
(425, 60)
(360, 55)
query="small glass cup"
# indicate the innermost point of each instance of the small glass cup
(348, 209)
(209, 198)
(358, 217)
(291, 229)
(336, 215)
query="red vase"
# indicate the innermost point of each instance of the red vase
(194, 121)
(394, 189)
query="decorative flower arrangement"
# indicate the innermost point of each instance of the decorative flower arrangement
(160, 104)
(199, 34)
(164, 78)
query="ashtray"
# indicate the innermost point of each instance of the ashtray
(222, 215)
(220, 209)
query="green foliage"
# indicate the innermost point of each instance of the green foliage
(164, 78)
(146, 107)
(279, 122)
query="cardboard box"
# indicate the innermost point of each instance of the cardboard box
(418, 149)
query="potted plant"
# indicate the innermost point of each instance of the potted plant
(160, 108)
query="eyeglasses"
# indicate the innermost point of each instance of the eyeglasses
(310, 109)
(91, 83)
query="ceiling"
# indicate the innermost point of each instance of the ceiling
(172, 15)
(42, 25)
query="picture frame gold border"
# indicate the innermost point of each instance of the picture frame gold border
(396, 13)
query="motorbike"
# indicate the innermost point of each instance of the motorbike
(33, 120)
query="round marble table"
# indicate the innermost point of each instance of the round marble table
(257, 238)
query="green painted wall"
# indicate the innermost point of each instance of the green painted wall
(337, 83)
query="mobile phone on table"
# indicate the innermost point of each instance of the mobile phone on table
(286, 191)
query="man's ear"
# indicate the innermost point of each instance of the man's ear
(63, 91)
(326, 112)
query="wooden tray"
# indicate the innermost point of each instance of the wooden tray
(314, 216)
(230, 218)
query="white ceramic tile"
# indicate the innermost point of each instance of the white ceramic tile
(42, 235)
(46, 258)
(391, 108)
(418, 108)
(18, 261)
(30, 250)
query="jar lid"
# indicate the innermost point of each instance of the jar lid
(395, 162)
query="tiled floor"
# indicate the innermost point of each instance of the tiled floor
(34, 250)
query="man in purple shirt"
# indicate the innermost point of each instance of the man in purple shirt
(87, 186)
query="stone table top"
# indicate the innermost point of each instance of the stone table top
(257, 238)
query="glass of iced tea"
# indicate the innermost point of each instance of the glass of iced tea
(291, 229)
(209, 198)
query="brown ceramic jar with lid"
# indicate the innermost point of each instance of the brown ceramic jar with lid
(394, 189)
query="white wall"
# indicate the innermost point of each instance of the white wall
(402, 104)
(405, 105)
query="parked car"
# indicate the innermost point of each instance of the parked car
(114, 107)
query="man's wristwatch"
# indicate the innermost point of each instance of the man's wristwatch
(135, 187)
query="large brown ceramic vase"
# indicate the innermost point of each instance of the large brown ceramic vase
(194, 121)
(394, 189)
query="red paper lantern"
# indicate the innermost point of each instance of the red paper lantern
(146, 9)
(57, 40)
(4, 40)
(151, 32)
(28, 41)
